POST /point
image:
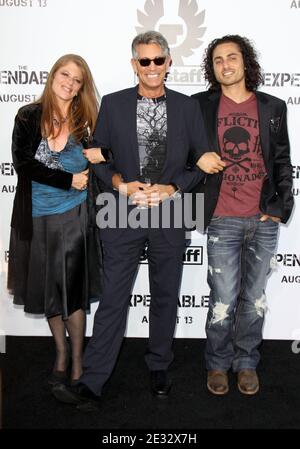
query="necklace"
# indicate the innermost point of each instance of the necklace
(57, 122)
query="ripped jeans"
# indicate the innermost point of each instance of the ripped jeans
(240, 257)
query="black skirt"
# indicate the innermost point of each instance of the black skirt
(50, 274)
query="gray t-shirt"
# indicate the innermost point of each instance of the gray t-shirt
(152, 136)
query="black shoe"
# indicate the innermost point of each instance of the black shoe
(79, 395)
(160, 384)
(57, 377)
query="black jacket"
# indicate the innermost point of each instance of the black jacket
(276, 195)
(117, 129)
(25, 141)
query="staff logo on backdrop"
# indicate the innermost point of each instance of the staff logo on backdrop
(193, 256)
(184, 36)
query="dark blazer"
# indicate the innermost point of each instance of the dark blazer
(276, 196)
(116, 129)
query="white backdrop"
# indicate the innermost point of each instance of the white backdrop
(34, 33)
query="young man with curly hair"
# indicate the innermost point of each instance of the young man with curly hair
(244, 205)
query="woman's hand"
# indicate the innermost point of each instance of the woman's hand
(94, 155)
(80, 180)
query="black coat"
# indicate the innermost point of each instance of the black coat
(276, 197)
(25, 141)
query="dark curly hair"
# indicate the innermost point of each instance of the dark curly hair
(253, 71)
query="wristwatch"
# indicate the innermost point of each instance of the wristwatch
(177, 194)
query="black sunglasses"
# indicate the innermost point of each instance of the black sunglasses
(159, 60)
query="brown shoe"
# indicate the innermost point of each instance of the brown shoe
(248, 382)
(217, 382)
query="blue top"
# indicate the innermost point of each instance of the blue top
(48, 200)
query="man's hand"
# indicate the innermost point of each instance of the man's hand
(153, 195)
(265, 217)
(80, 180)
(127, 188)
(94, 155)
(142, 194)
(210, 163)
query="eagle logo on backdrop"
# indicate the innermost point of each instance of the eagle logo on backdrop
(183, 36)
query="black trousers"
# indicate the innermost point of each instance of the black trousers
(121, 259)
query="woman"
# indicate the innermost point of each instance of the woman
(48, 268)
